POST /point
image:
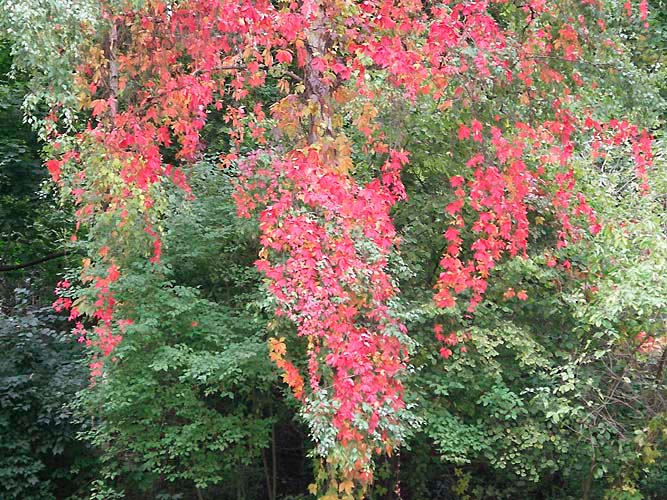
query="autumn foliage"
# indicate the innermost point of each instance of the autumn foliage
(327, 237)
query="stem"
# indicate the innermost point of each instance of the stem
(585, 494)
(267, 475)
(274, 461)
(238, 489)
(661, 365)
(14, 267)
(113, 69)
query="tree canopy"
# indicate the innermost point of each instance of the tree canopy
(376, 249)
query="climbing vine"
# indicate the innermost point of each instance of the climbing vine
(159, 69)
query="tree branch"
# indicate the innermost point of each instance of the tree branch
(14, 267)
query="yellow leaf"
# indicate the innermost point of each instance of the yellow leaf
(283, 86)
(346, 486)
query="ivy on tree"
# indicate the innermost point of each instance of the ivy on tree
(327, 235)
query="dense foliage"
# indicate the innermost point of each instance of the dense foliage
(333, 249)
